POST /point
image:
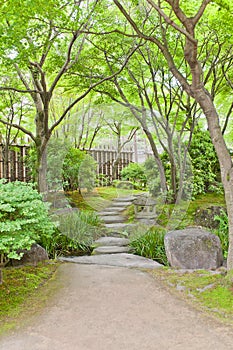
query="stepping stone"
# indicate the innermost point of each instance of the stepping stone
(121, 204)
(118, 209)
(111, 241)
(107, 213)
(117, 226)
(112, 219)
(111, 250)
(121, 260)
(124, 199)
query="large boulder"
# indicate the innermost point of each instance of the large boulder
(31, 257)
(193, 248)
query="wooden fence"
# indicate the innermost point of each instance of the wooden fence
(105, 158)
(13, 166)
(12, 163)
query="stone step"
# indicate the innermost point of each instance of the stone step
(116, 209)
(124, 199)
(111, 250)
(108, 213)
(121, 204)
(117, 226)
(111, 241)
(121, 260)
(112, 219)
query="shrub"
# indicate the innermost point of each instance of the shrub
(135, 173)
(23, 218)
(79, 170)
(76, 232)
(206, 170)
(150, 244)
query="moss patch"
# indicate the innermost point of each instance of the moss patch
(23, 293)
(212, 292)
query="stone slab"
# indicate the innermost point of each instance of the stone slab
(124, 199)
(118, 226)
(112, 219)
(121, 260)
(111, 250)
(108, 213)
(121, 204)
(116, 209)
(111, 241)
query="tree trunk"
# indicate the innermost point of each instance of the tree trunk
(226, 165)
(158, 161)
(1, 278)
(41, 168)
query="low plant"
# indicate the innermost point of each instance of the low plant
(76, 231)
(223, 231)
(135, 173)
(24, 219)
(150, 243)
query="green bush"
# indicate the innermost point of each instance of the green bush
(222, 232)
(76, 232)
(206, 170)
(23, 218)
(134, 173)
(150, 244)
(79, 171)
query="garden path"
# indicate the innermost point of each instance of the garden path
(113, 308)
(114, 250)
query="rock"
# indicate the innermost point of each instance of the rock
(193, 248)
(122, 260)
(111, 250)
(124, 199)
(111, 241)
(112, 219)
(31, 257)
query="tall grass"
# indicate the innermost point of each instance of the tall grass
(150, 243)
(75, 234)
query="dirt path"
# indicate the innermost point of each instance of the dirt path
(112, 308)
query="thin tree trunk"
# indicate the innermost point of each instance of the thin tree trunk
(158, 161)
(226, 165)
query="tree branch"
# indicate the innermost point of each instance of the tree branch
(91, 88)
(21, 128)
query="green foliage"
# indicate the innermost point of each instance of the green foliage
(152, 175)
(76, 231)
(135, 173)
(205, 164)
(23, 218)
(123, 184)
(150, 243)
(223, 231)
(57, 149)
(79, 170)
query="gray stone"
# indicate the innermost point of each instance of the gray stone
(116, 209)
(121, 204)
(193, 248)
(111, 241)
(31, 257)
(111, 250)
(112, 219)
(124, 199)
(108, 213)
(118, 226)
(121, 260)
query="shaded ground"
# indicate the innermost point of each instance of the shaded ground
(112, 308)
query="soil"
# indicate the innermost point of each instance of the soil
(113, 308)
